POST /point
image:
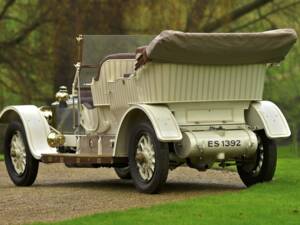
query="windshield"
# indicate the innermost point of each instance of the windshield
(94, 48)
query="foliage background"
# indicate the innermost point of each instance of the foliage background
(38, 48)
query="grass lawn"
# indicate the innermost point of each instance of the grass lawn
(273, 203)
(1, 157)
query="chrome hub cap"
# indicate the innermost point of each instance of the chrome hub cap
(18, 153)
(145, 157)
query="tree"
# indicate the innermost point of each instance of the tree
(76, 17)
(22, 56)
(38, 36)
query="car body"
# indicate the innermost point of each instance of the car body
(184, 99)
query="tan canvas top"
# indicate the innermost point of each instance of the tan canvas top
(221, 48)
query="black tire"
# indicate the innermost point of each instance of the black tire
(28, 177)
(123, 173)
(253, 173)
(161, 157)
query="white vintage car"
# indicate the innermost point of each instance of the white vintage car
(190, 99)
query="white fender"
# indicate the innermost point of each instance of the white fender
(163, 121)
(161, 118)
(35, 125)
(266, 115)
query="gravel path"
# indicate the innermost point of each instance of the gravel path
(61, 193)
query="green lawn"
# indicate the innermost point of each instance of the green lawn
(1, 157)
(273, 203)
(288, 151)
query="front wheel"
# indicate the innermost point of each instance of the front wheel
(148, 160)
(263, 167)
(21, 166)
(123, 173)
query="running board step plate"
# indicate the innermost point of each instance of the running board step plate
(72, 158)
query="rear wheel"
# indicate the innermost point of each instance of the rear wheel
(148, 161)
(123, 173)
(21, 166)
(263, 167)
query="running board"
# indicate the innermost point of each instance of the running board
(84, 159)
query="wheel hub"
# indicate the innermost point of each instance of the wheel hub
(18, 153)
(145, 157)
(260, 159)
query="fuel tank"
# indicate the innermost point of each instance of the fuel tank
(217, 144)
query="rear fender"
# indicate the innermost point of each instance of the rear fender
(161, 118)
(266, 115)
(35, 125)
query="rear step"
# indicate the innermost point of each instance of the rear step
(85, 159)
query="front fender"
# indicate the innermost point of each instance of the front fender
(266, 115)
(35, 125)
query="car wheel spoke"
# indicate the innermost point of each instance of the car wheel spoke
(145, 149)
(18, 153)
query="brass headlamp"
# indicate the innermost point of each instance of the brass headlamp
(62, 95)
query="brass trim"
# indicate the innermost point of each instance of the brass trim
(79, 40)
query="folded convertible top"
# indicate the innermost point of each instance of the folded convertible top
(221, 48)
